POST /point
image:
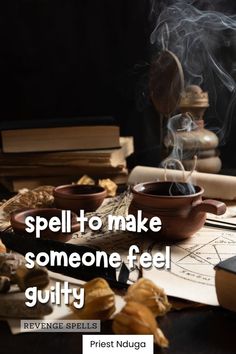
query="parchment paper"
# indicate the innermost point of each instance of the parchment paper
(215, 186)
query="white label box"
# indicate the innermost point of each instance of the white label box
(116, 344)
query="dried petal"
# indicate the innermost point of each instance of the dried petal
(109, 186)
(86, 180)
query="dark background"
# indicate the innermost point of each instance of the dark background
(69, 58)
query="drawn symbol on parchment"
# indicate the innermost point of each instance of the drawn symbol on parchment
(196, 261)
(210, 253)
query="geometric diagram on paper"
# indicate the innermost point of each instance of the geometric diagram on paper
(195, 258)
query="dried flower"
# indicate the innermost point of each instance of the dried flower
(99, 301)
(146, 292)
(109, 186)
(136, 318)
(41, 197)
(85, 180)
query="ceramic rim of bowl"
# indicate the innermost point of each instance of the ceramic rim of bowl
(59, 192)
(199, 193)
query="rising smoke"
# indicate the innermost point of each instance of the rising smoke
(203, 41)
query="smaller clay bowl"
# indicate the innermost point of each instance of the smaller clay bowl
(19, 226)
(75, 197)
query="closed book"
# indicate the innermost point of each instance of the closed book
(33, 171)
(14, 184)
(11, 124)
(114, 157)
(60, 138)
(225, 280)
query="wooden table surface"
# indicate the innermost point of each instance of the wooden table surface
(205, 330)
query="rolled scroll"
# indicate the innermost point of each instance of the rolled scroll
(215, 186)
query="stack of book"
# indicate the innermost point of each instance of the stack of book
(39, 155)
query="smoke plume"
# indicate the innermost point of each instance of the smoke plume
(203, 41)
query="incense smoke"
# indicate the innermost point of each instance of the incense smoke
(198, 38)
(179, 123)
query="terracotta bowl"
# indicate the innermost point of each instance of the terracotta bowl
(76, 197)
(18, 223)
(179, 206)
